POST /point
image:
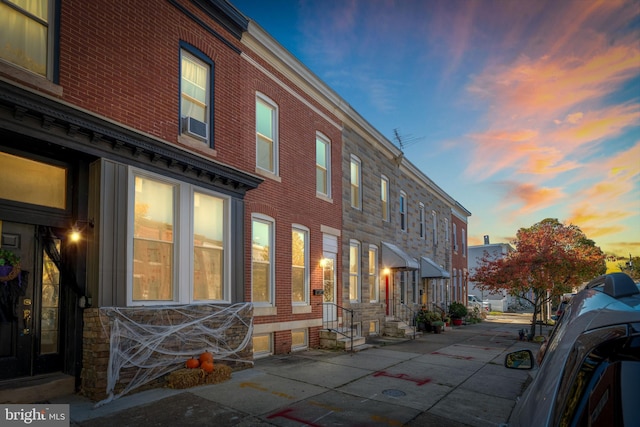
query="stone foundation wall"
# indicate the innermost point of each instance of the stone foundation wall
(97, 335)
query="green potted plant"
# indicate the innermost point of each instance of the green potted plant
(457, 311)
(422, 319)
(437, 326)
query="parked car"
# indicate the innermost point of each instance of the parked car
(590, 369)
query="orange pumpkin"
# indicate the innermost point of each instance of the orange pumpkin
(192, 363)
(207, 366)
(206, 357)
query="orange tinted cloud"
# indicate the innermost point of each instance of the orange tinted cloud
(530, 197)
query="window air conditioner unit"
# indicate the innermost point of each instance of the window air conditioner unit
(194, 127)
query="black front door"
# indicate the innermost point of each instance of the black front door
(30, 305)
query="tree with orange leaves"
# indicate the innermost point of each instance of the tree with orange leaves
(550, 259)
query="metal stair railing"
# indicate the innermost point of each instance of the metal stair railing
(333, 324)
(408, 315)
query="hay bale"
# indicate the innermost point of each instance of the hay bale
(187, 378)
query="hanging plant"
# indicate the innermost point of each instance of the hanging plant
(9, 265)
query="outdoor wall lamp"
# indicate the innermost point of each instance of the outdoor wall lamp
(76, 231)
(386, 271)
(324, 262)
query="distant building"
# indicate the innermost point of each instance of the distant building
(500, 301)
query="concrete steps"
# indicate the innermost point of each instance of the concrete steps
(334, 340)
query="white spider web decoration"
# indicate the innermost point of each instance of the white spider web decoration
(153, 342)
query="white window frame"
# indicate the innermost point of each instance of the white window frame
(199, 59)
(434, 225)
(384, 197)
(454, 226)
(305, 231)
(464, 243)
(275, 149)
(183, 244)
(355, 276)
(356, 188)
(256, 217)
(446, 230)
(326, 143)
(403, 211)
(422, 220)
(374, 274)
(305, 344)
(263, 353)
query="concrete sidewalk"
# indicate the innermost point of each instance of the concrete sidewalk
(456, 378)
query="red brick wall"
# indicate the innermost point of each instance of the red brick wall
(458, 258)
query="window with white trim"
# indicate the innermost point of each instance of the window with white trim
(384, 197)
(299, 265)
(455, 236)
(262, 345)
(422, 223)
(464, 242)
(299, 339)
(356, 180)
(266, 134)
(434, 226)
(446, 230)
(403, 211)
(354, 270)
(262, 260)
(323, 165)
(374, 274)
(27, 31)
(179, 242)
(195, 87)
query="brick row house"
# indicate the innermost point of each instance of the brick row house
(184, 186)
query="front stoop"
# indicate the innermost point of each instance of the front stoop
(333, 340)
(36, 389)
(400, 329)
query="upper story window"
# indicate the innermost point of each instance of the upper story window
(374, 274)
(27, 35)
(300, 265)
(356, 180)
(455, 237)
(195, 93)
(434, 226)
(323, 165)
(464, 243)
(179, 242)
(384, 197)
(446, 230)
(262, 260)
(403, 211)
(422, 223)
(354, 270)
(266, 134)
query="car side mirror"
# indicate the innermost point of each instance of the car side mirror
(521, 359)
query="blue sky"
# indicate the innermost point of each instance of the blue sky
(520, 110)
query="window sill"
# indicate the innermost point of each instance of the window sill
(265, 311)
(30, 79)
(324, 197)
(198, 145)
(268, 174)
(301, 309)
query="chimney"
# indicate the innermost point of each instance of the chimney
(486, 239)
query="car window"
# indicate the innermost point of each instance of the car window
(604, 389)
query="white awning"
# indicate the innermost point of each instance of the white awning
(394, 257)
(430, 270)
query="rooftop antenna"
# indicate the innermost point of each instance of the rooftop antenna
(404, 141)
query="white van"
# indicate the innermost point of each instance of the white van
(474, 301)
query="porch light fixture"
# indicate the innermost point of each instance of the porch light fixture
(386, 271)
(324, 262)
(76, 231)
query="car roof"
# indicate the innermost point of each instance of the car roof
(608, 300)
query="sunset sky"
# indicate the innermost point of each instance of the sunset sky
(520, 110)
